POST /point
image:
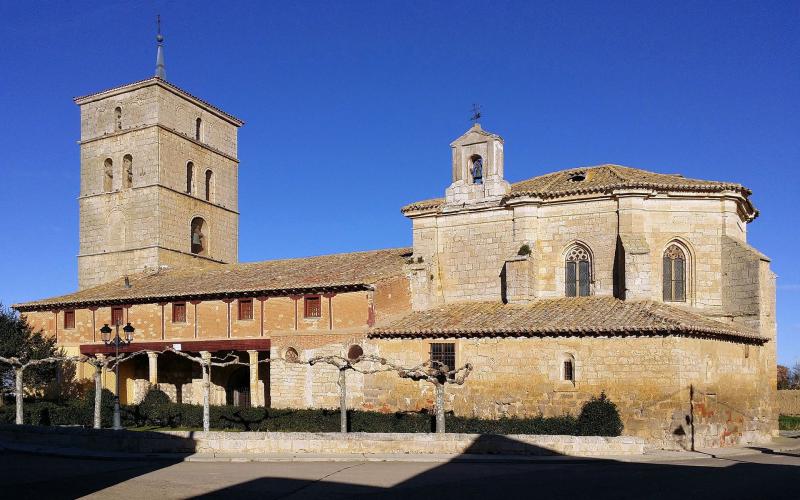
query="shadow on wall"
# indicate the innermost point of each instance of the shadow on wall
(459, 478)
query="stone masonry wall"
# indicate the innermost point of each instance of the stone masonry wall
(650, 379)
(123, 230)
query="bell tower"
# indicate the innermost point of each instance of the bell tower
(477, 168)
(159, 180)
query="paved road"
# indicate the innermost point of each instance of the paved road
(755, 476)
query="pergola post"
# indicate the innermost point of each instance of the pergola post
(255, 396)
(152, 359)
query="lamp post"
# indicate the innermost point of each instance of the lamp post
(105, 331)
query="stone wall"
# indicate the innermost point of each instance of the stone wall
(305, 442)
(125, 229)
(656, 382)
(788, 402)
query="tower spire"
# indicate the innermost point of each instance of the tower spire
(161, 71)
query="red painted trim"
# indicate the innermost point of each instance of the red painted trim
(186, 345)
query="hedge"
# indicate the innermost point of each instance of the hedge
(598, 417)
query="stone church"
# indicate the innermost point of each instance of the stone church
(555, 288)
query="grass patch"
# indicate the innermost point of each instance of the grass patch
(789, 423)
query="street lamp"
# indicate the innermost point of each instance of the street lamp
(105, 331)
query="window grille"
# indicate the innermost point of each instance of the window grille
(578, 272)
(569, 373)
(69, 320)
(116, 316)
(179, 312)
(674, 275)
(312, 307)
(444, 353)
(245, 309)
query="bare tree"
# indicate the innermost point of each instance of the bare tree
(431, 371)
(343, 365)
(438, 374)
(206, 361)
(99, 363)
(20, 366)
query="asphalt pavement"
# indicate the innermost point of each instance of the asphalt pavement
(770, 472)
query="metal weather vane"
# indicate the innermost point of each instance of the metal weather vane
(476, 113)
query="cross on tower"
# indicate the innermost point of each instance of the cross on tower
(476, 113)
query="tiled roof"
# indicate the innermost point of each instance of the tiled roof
(568, 316)
(346, 271)
(600, 179)
(165, 83)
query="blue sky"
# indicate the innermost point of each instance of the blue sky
(350, 107)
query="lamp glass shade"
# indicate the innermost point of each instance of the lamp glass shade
(105, 332)
(128, 329)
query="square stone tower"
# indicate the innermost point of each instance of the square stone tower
(159, 182)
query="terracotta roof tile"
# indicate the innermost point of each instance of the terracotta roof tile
(355, 270)
(600, 179)
(557, 317)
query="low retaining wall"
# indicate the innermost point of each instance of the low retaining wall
(328, 443)
(789, 401)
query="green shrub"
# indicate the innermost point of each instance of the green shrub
(599, 417)
(525, 249)
(789, 423)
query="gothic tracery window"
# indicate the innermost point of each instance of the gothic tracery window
(674, 274)
(578, 270)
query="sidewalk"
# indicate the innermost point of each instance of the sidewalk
(779, 445)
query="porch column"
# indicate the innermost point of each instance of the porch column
(152, 358)
(255, 396)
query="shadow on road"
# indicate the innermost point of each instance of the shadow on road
(54, 477)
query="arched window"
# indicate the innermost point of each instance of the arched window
(291, 355)
(189, 177)
(118, 118)
(108, 175)
(567, 367)
(674, 275)
(476, 169)
(209, 185)
(578, 268)
(355, 352)
(127, 171)
(198, 237)
(197, 126)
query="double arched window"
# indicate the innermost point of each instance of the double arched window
(674, 274)
(578, 272)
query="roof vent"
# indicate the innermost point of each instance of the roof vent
(577, 176)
